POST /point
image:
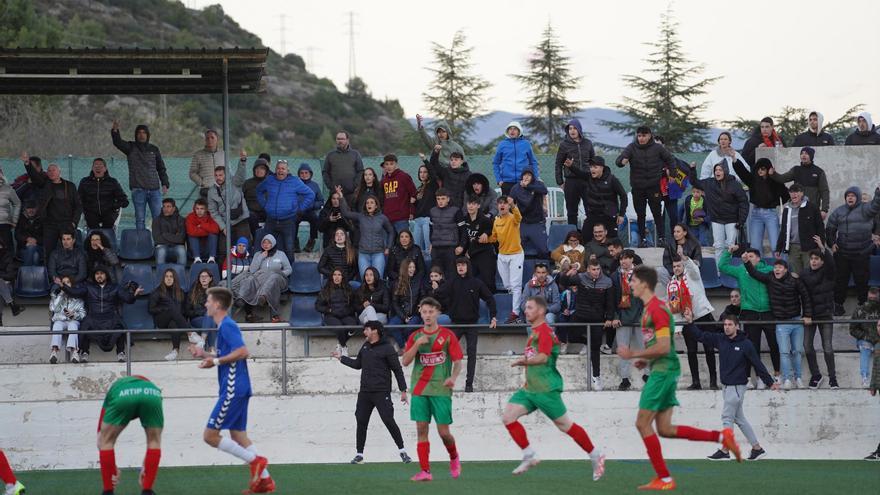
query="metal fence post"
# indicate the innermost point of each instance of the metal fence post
(284, 362)
(128, 352)
(589, 356)
(306, 344)
(70, 167)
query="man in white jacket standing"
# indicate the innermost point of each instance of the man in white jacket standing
(686, 296)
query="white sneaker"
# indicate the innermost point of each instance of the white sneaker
(584, 350)
(563, 348)
(509, 352)
(211, 259)
(197, 260)
(196, 339)
(74, 355)
(761, 385)
(53, 356)
(84, 357)
(171, 356)
(597, 383)
(339, 349)
(786, 384)
(865, 382)
(344, 350)
(598, 460)
(799, 383)
(605, 349)
(528, 462)
(121, 357)
(753, 383)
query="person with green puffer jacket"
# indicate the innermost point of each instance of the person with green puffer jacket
(866, 338)
(755, 303)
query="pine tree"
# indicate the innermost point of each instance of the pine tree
(548, 83)
(456, 94)
(667, 101)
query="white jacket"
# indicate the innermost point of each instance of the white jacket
(713, 158)
(61, 301)
(701, 305)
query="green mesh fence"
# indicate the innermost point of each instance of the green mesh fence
(184, 191)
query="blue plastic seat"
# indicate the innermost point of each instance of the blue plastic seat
(182, 277)
(634, 237)
(32, 281)
(135, 244)
(484, 313)
(197, 268)
(729, 282)
(135, 316)
(142, 275)
(874, 271)
(503, 306)
(499, 284)
(557, 234)
(303, 312)
(709, 273)
(305, 278)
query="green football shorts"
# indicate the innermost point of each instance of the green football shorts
(659, 393)
(549, 403)
(139, 399)
(423, 407)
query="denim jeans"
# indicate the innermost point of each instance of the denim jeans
(30, 255)
(195, 246)
(724, 236)
(866, 349)
(401, 334)
(177, 251)
(421, 231)
(376, 260)
(141, 198)
(701, 233)
(400, 225)
(790, 337)
(763, 220)
(284, 231)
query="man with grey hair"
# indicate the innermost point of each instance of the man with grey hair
(58, 206)
(205, 161)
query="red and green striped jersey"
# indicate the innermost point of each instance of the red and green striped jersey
(433, 361)
(657, 322)
(542, 378)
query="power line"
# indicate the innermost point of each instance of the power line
(352, 66)
(283, 19)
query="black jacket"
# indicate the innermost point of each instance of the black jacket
(605, 195)
(100, 195)
(813, 180)
(406, 305)
(160, 303)
(378, 298)
(473, 229)
(595, 298)
(789, 297)
(464, 294)
(530, 201)
(28, 227)
(397, 255)
(763, 191)
(195, 309)
(70, 262)
(59, 203)
(809, 224)
(581, 153)
(335, 257)
(820, 285)
(170, 230)
(102, 303)
(454, 179)
(440, 293)
(648, 163)
(730, 309)
(328, 227)
(377, 362)
(859, 138)
(736, 355)
(428, 198)
(726, 201)
(8, 266)
(340, 303)
(810, 138)
(600, 251)
(691, 248)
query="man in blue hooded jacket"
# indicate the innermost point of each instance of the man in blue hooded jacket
(310, 215)
(513, 156)
(284, 197)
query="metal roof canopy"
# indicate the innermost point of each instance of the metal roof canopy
(77, 71)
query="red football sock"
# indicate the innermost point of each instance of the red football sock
(424, 450)
(6, 473)
(518, 433)
(580, 436)
(696, 434)
(453, 452)
(652, 444)
(108, 467)
(151, 467)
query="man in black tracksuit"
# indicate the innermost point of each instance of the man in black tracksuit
(482, 255)
(606, 198)
(818, 277)
(649, 161)
(573, 161)
(464, 292)
(377, 359)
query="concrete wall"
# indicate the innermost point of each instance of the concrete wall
(321, 428)
(845, 166)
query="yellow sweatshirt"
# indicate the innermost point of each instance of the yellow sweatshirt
(505, 231)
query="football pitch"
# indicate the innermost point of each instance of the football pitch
(487, 478)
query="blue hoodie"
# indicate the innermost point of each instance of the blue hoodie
(284, 199)
(735, 355)
(512, 157)
(319, 198)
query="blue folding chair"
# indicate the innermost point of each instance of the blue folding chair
(136, 316)
(197, 268)
(709, 273)
(141, 275)
(136, 244)
(305, 278)
(557, 234)
(874, 271)
(32, 281)
(303, 312)
(503, 305)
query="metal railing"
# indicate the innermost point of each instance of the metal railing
(330, 330)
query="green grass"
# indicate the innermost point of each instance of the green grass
(489, 478)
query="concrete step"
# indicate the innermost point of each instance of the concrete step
(45, 382)
(321, 428)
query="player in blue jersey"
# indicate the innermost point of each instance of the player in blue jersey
(230, 412)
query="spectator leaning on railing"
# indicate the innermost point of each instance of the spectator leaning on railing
(818, 276)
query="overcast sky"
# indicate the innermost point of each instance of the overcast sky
(770, 53)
